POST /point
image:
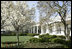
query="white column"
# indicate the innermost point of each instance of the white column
(42, 31)
(31, 30)
(47, 29)
(37, 29)
(70, 32)
(54, 29)
(34, 29)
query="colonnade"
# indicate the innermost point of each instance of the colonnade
(34, 29)
(46, 29)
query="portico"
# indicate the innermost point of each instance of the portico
(55, 28)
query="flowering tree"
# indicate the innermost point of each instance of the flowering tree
(4, 13)
(19, 15)
(62, 8)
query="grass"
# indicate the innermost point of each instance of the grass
(14, 38)
(22, 39)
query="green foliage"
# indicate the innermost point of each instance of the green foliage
(61, 37)
(68, 43)
(53, 36)
(57, 40)
(47, 37)
(20, 34)
(40, 36)
(39, 40)
(4, 34)
(23, 34)
(32, 34)
(70, 37)
(9, 34)
(34, 40)
(44, 39)
(13, 34)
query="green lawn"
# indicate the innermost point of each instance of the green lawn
(14, 38)
(6, 39)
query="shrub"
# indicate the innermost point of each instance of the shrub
(47, 37)
(44, 39)
(57, 40)
(68, 43)
(23, 34)
(53, 36)
(32, 34)
(20, 34)
(70, 37)
(2, 34)
(40, 36)
(6, 34)
(34, 40)
(9, 34)
(13, 34)
(62, 37)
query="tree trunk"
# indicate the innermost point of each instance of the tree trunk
(64, 29)
(17, 39)
(67, 38)
(66, 32)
